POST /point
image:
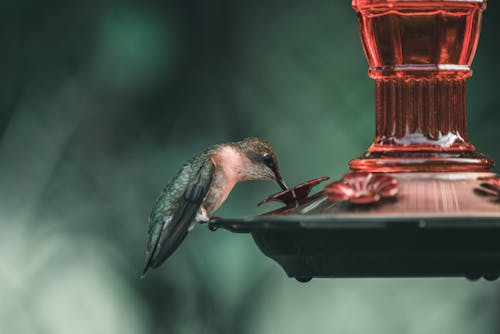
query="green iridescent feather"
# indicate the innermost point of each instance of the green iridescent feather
(179, 201)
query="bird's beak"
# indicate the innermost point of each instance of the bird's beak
(279, 180)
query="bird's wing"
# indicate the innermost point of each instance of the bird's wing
(175, 210)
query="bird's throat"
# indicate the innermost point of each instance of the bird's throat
(229, 164)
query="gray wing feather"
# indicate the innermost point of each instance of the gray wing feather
(168, 227)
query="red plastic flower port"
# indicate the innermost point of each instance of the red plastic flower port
(295, 195)
(362, 188)
(490, 186)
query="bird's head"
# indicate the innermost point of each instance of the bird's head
(262, 163)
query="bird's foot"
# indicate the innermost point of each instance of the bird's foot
(211, 223)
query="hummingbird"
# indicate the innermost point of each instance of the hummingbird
(200, 188)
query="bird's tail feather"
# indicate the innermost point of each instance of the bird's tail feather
(148, 261)
(147, 264)
(159, 253)
(155, 236)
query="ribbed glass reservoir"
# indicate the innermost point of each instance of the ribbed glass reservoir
(420, 54)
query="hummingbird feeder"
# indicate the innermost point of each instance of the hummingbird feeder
(420, 202)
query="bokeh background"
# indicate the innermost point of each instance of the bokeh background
(100, 104)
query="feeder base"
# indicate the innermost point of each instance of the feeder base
(439, 226)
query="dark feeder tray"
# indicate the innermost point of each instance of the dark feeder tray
(324, 238)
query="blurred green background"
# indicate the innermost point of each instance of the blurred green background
(102, 102)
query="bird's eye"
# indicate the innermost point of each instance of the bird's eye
(268, 160)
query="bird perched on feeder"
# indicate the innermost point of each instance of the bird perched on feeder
(200, 188)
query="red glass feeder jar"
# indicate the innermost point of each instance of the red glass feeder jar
(420, 53)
